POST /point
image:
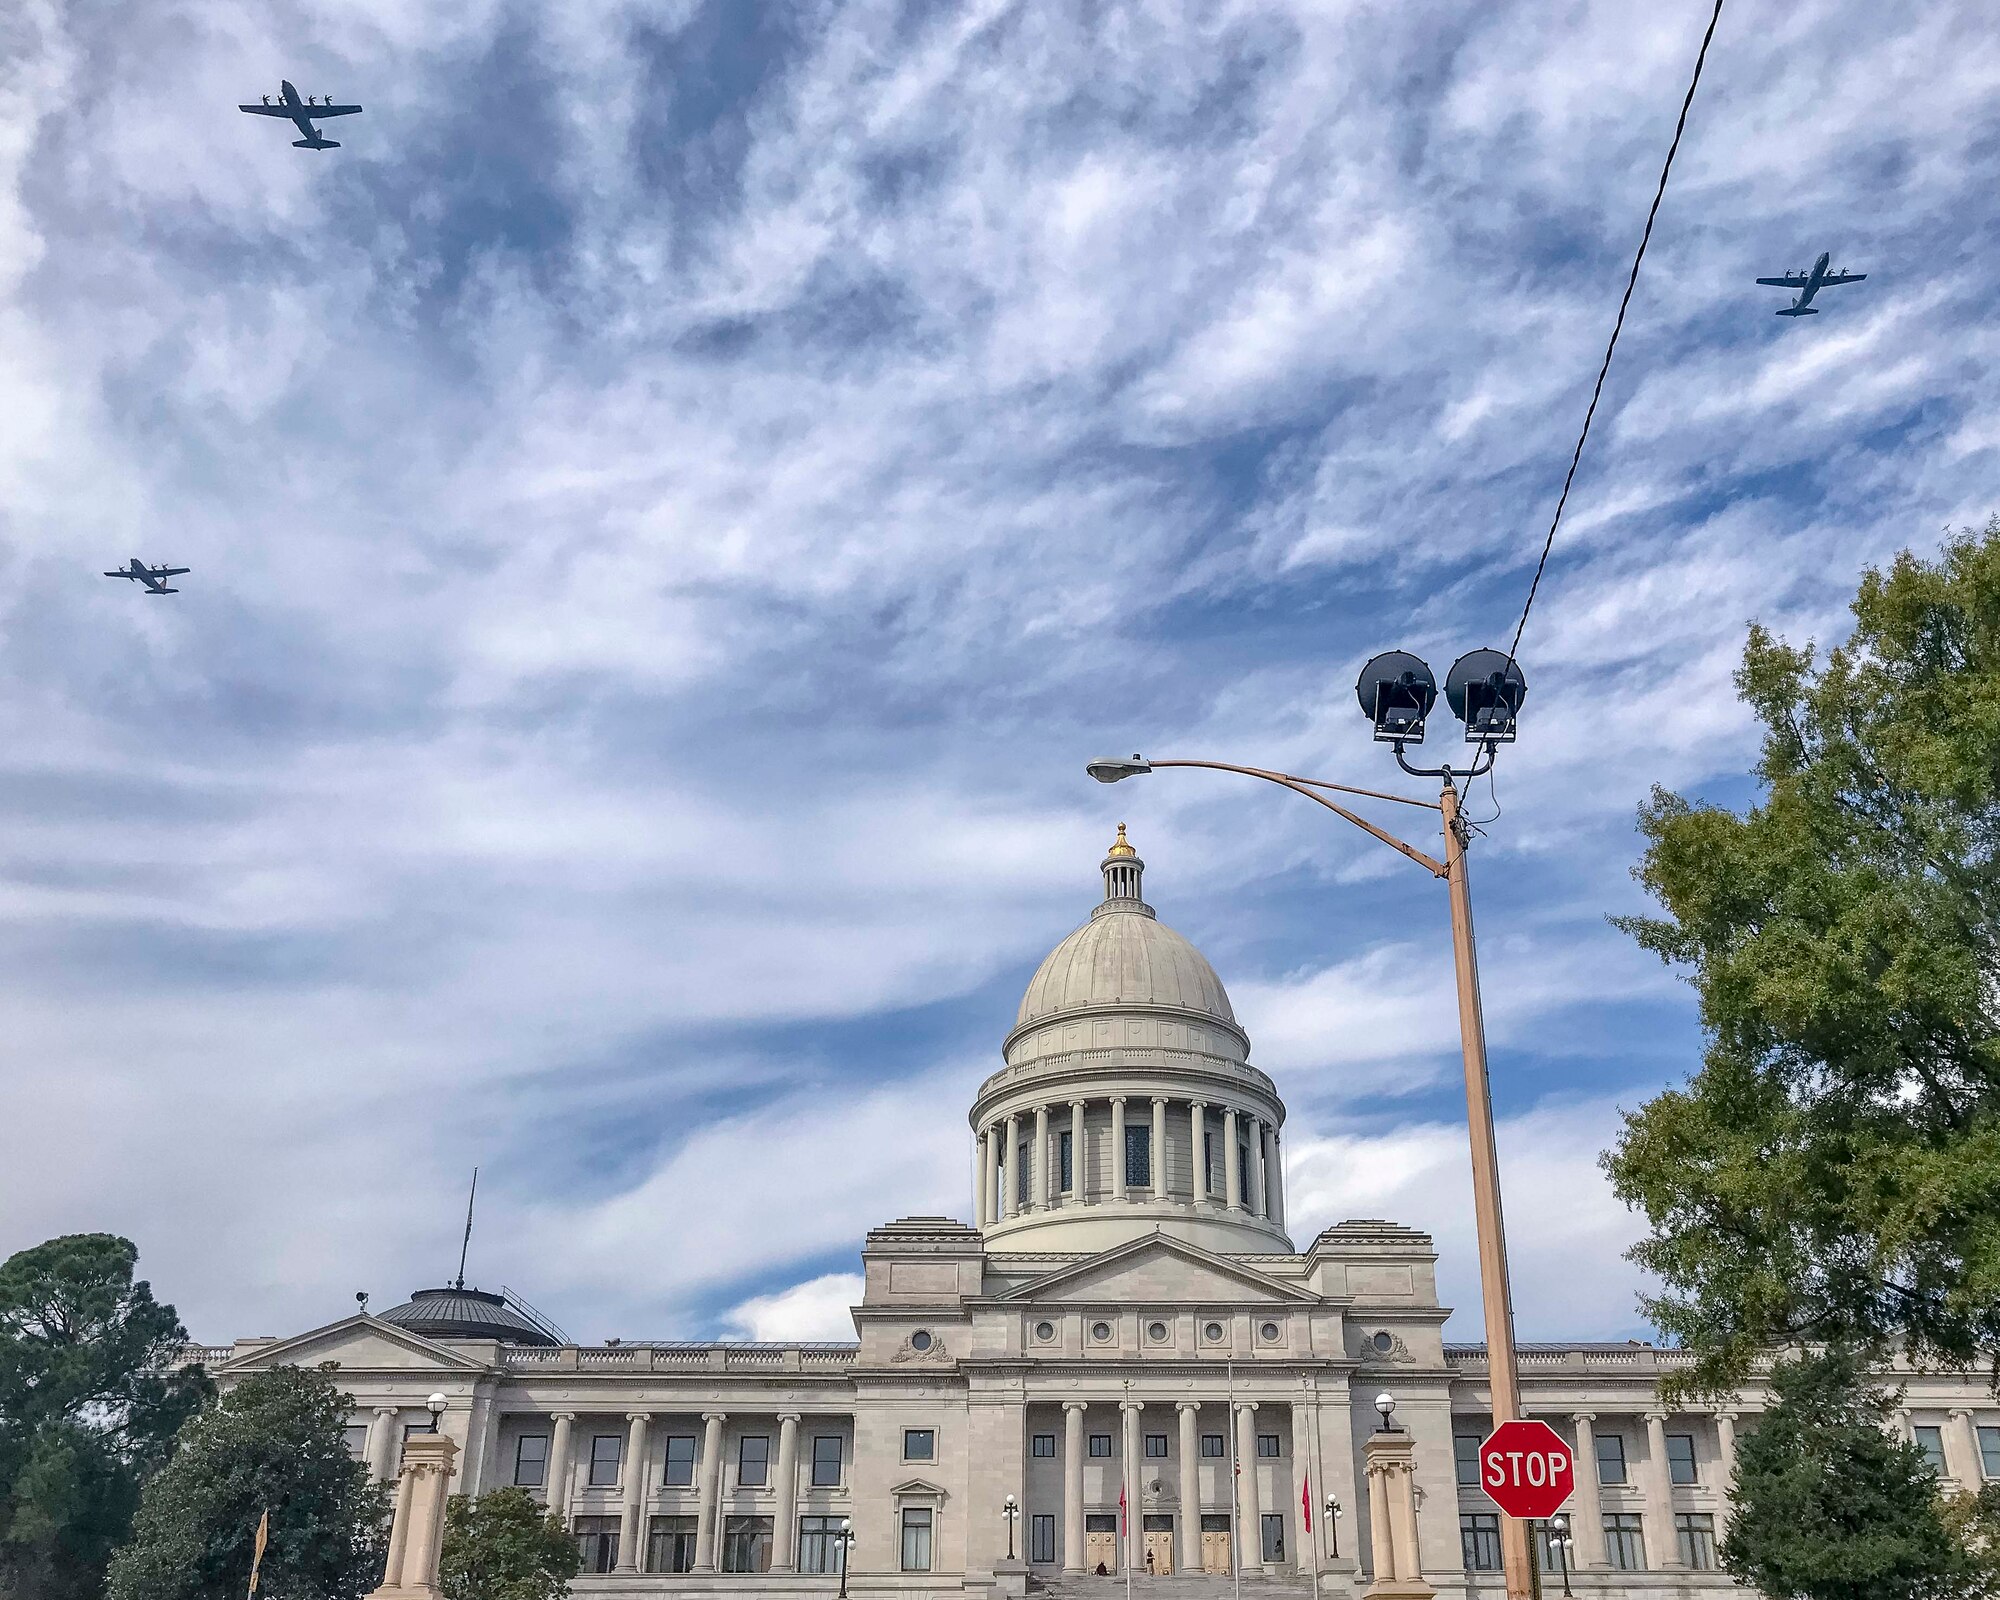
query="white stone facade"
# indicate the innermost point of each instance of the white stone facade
(1109, 1324)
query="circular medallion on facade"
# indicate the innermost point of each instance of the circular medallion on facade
(1100, 1330)
(1157, 1332)
(1212, 1332)
(920, 1340)
(1268, 1331)
(1045, 1330)
(1385, 1342)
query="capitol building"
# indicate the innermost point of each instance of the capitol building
(1122, 1367)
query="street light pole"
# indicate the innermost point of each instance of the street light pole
(846, 1550)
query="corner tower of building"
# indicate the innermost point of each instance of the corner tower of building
(1127, 1104)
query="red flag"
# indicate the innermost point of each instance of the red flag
(1121, 1509)
(1306, 1500)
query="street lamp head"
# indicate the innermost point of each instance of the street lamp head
(1009, 1504)
(1386, 1404)
(846, 1525)
(435, 1406)
(1485, 690)
(1396, 691)
(1333, 1506)
(1109, 769)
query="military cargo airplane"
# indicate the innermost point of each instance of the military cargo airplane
(1809, 284)
(154, 578)
(302, 113)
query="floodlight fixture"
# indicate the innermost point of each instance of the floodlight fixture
(1109, 769)
(1485, 690)
(1396, 691)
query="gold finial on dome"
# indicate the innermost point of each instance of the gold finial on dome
(1122, 846)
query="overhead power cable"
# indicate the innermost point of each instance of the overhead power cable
(1630, 282)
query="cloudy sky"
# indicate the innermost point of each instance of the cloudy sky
(677, 498)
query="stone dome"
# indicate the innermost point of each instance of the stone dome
(1125, 957)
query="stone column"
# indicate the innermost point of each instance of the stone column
(1586, 1522)
(1232, 1172)
(1010, 1177)
(1041, 1186)
(381, 1449)
(1117, 1184)
(1250, 1507)
(980, 1186)
(1274, 1178)
(711, 1491)
(1077, 1186)
(1190, 1519)
(1254, 1136)
(1133, 1464)
(1392, 1515)
(785, 1519)
(1198, 1130)
(1159, 1148)
(417, 1535)
(1961, 1451)
(1725, 1468)
(1664, 1549)
(631, 1534)
(1073, 1540)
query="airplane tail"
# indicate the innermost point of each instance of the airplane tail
(1799, 311)
(163, 591)
(315, 144)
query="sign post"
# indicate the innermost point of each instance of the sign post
(1527, 1470)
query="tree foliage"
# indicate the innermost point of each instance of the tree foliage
(275, 1442)
(1832, 1173)
(504, 1546)
(1828, 1505)
(90, 1401)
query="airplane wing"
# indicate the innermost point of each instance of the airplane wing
(270, 111)
(170, 572)
(1796, 281)
(120, 574)
(1843, 277)
(331, 111)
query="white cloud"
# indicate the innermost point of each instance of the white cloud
(816, 1309)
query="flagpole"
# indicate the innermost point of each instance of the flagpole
(1235, 1488)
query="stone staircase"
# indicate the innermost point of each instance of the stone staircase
(1184, 1586)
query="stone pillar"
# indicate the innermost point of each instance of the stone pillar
(711, 1491)
(1132, 1465)
(1232, 1172)
(1159, 1148)
(1254, 1136)
(1190, 1518)
(1250, 1507)
(1586, 1522)
(1664, 1549)
(381, 1451)
(417, 1536)
(1073, 1540)
(1010, 1177)
(785, 1517)
(1392, 1516)
(1117, 1184)
(1274, 1178)
(1041, 1186)
(1961, 1452)
(1077, 1186)
(631, 1531)
(980, 1186)
(1198, 1131)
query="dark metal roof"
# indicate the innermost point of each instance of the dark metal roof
(459, 1313)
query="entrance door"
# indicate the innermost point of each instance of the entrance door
(1214, 1542)
(1100, 1542)
(1159, 1531)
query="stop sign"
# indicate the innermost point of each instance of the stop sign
(1527, 1469)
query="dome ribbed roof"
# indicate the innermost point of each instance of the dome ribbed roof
(456, 1313)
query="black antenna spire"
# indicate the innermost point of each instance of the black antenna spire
(467, 1244)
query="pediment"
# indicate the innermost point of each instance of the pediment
(920, 1489)
(1157, 1270)
(359, 1343)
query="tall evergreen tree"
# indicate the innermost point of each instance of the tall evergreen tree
(274, 1443)
(91, 1397)
(1828, 1505)
(1832, 1173)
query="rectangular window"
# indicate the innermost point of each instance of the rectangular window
(597, 1543)
(670, 1544)
(916, 1538)
(1274, 1536)
(1156, 1446)
(1931, 1442)
(1624, 1544)
(428, 1425)
(1680, 1458)
(1138, 1157)
(1479, 1537)
(753, 1467)
(605, 1451)
(680, 1461)
(1695, 1532)
(1547, 1547)
(1989, 1452)
(1045, 1446)
(1243, 1172)
(826, 1461)
(1064, 1155)
(1267, 1445)
(821, 1548)
(1100, 1444)
(1021, 1175)
(1610, 1458)
(920, 1444)
(1210, 1166)
(531, 1460)
(1465, 1457)
(355, 1436)
(746, 1544)
(1213, 1445)
(1042, 1536)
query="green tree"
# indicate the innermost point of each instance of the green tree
(275, 1442)
(504, 1546)
(1973, 1522)
(1829, 1506)
(1832, 1173)
(90, 1400)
